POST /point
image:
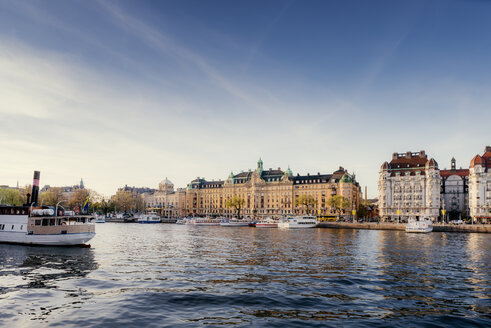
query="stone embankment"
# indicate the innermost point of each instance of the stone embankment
(484, 228)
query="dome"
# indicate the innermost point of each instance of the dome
(477, 160)
(166, 181)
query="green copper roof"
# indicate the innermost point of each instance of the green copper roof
(346, 179)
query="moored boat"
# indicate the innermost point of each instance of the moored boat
(422, 225)
(206, 222)
(43, 225)
(99, 219)
(298, 222)
(234, 223)
(267, 223)
(149, 218)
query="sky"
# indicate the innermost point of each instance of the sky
(130, 92)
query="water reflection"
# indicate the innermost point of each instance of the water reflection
(171, 275)
(30, 274)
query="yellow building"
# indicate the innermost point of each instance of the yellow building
(166, 201)
(271, 193)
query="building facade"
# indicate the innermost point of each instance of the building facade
(271, 193)
(409, 187)
(454, 192)
(480, 186)
(166, 201)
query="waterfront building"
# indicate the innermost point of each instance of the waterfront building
(271, 193)
(166, 201)
(409, 187)
(480, 186)
(454, 192)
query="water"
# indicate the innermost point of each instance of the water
(186, 276)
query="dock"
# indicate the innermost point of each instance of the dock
(481, 228)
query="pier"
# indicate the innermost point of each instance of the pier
(482, 228)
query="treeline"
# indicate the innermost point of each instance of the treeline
(123, 201)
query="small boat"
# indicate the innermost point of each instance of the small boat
(298, 222)
(149, 218)
(180, 221)
(267, 223)
(234, 223)
(99, 219)
(422, 225)
(206, 222)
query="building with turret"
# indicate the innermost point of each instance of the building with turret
(271, 193)
(409, 187)
(480, 186)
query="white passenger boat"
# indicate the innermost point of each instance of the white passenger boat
(422, 225)
(298, 222)
(149, 218)
(267, 223)
(206, 222)
(234, 223)
(33, 225)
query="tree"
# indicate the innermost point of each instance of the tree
(78, 198)
(11, 197)
(237, 203)
(362, 211)
(123, 200)
(338, 203)
(52, 196)
(307, 201)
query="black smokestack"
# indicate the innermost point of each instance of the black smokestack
(35, 188)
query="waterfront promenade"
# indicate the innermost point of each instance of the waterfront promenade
(486, 228)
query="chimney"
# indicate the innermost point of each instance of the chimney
(487, 149)
(394, 156)
(365, 195)
(408, 154)
(35, 188)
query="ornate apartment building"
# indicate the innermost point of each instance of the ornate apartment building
(270, 193)
(480, 186)
(166, 201)
(454, 192)
(409, 187)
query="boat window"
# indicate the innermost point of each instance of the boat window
(2, 226)
(51, 222)
(45, 222)
(37, 222)
(12, 227)
(21, 227)
(30, 232)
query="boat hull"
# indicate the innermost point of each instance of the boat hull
(234, 224)
(71, 239)
(266, 225)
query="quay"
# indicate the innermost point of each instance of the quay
(482, 228)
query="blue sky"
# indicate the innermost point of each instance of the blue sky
(130, 92)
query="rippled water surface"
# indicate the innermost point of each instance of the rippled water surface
(173, 275)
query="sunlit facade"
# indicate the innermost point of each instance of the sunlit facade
(480, 186)
(271, 193)
(409, 187)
